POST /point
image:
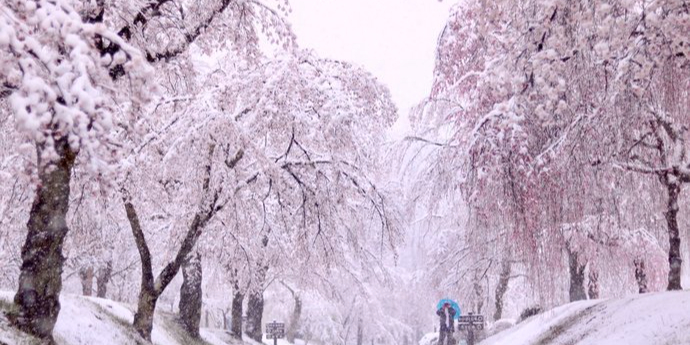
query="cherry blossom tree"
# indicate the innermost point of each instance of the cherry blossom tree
(311, 190)
(271, 169)
(571, 86)
(536, 109)
(49, 71)
(59, 106)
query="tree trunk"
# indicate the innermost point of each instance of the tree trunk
(593, 284)
(225, 319)
(190, 295)
(502, 287)
(478, 296)
(103, 278)
(86, 277)
(255, 310)
(577, 276)
(40, 278)
(143, 318)
(293, 327)
(255, 304)
(237, 300)
(674, 258)
(640, 276)
(150, 290)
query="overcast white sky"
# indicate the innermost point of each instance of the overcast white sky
(393, 39)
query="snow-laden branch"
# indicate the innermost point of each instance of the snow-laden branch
(427, 141)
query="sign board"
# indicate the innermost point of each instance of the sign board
(470, 326)
(275, 330)
(468, 319)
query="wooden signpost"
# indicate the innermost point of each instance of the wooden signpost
(470, 323)
(275, 330)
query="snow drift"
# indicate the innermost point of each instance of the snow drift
(655, 318)
(97, 321)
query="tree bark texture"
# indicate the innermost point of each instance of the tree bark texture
(255, 311)
(103, 278)
(255, 304)
(190, 295)
(674, 258)
(40, 278)
(640, 276)
(360, 332)
(501, 288)
(143, 318)
(237, 301)
(86, 277)
(593, 283)
(577, 276)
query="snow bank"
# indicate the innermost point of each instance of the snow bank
(658, 318)
(97, 321)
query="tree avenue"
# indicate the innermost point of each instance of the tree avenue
(79, 82)
(138, 139)
(561, 125)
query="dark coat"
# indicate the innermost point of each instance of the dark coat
(447, 323)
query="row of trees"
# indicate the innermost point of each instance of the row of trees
(553, 144)
(547, 163)
(263, 169)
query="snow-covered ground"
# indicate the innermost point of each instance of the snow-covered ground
(649, 319)
(96, 321)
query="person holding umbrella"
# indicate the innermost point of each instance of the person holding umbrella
(447, 315)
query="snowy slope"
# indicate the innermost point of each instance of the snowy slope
(96, 321)
(649, 319)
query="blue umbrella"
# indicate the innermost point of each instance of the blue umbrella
(452, 304)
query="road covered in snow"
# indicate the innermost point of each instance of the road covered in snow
(655, 318)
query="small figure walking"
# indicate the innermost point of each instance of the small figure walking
(447, 327)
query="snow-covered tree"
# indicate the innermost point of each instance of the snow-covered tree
(69, 110)
(540, 116)
(75, 74)
(309, 154)
(585, 78)
(289, 171)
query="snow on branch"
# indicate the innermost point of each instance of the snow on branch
(55, 76)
